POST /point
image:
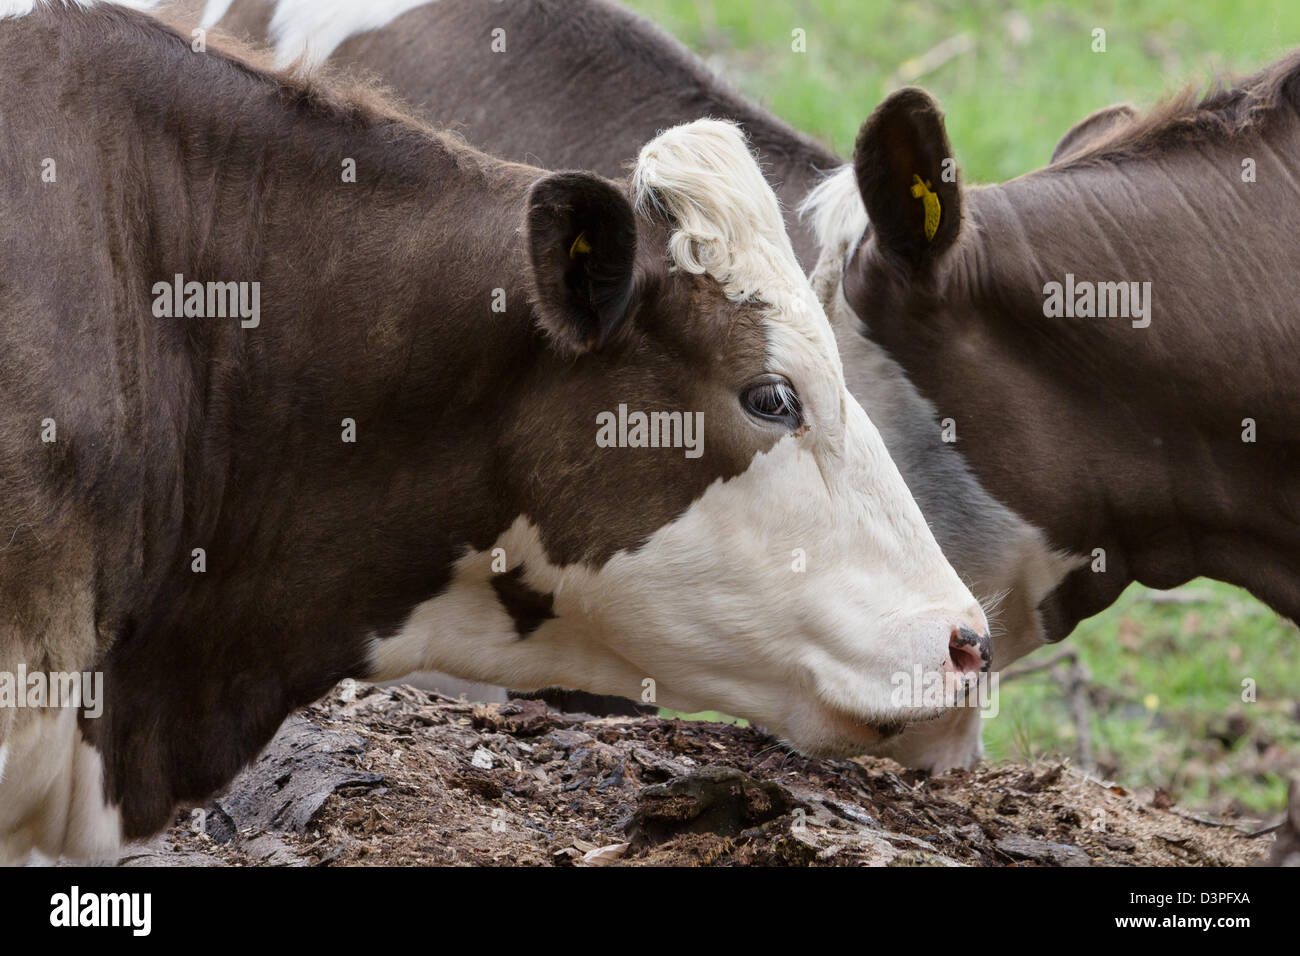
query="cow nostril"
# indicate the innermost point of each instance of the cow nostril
(969, 652)
(965, 660)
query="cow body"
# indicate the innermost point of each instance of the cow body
(392, 460)
(583, 82)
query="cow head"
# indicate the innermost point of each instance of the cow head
(701, 515)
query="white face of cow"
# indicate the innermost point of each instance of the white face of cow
(793, 592)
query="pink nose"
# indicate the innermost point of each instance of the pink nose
(969, 653)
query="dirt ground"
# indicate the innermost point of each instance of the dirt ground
(400, 776)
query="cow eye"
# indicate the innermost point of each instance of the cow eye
(773, 399)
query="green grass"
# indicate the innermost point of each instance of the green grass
(1029, 72)
(1166, 704)
(712, 715)
(1166, 707)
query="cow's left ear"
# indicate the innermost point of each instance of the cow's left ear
(582, 245)
(908, 179)
(1091, 130)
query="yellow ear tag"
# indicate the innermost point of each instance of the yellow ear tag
(921, 190)
(580, 245)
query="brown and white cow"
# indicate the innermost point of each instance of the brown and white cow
(294, 388)
(1146, 453)
(585, 82)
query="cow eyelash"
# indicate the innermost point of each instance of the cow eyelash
(773, 399)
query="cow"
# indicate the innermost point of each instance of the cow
(1115, 333)
(583, 82)
(294, 387)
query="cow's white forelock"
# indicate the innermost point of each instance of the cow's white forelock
(727, 224)
(726, 220)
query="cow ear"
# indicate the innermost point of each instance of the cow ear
(582, 246)
(908, 179)
(1092, 129)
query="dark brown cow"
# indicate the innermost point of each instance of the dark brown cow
(294, 388)
(1116, 334)
(584, 82)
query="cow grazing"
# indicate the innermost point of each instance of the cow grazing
(399, 463)
(1115, 334)
(585, 82)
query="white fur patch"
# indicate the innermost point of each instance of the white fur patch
(20, 8)
(313, 29)
(839, 219)
(727, 219)
(51, 796)
(953, 740)
(712, 610)
(213, 12)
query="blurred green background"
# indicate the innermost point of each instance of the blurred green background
(1164, 694)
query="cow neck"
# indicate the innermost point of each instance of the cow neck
(1135, 443)
(376, 309)
(378, 297)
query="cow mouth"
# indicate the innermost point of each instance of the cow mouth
(872, 732)
(890, 729)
